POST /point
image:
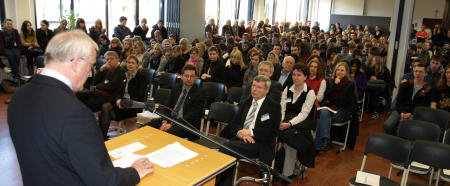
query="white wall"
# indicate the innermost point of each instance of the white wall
(379, 8)
(427, 9)
(348, 7)
(19, 11)
(192, 19)
(258, 13)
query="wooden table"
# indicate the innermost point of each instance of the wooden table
(200, 170)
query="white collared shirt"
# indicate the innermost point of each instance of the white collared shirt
(57, 75)
(306, 107)
(259, 102)
(283, 77)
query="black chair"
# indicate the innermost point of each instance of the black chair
(436, 116)
(220, 112)
(416, 130)
(213, 90)
(162, 96)
(433, 154)
(390, 147)
(234, 95)
(445, 175)
(166, 80)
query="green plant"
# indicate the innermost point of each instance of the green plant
(71, 18)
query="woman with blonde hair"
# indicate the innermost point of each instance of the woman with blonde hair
(195, 59)
(155, 58)
(275, 60)
(127, 49)
(97, 30)
(141, 52)
(235, 69)
(185, 48)
(340, 97)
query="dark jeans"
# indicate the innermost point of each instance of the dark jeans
(93, 100)
(31, 56)
(13, 56)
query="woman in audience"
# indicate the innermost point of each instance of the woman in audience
(141, 52)
(297, 103)
(97, 30)
(115, 45)
(104, 45)
(195, 59)
(155, 59)
(141, 30)
(275, 60)
(44, 35)
(185, 48)
(175, 63)
(339, 99)
(214, 67)
(80, 24)
(316, 79)
(358, 76)
(10, 47)
(135, 88)
(127, 49)
(331, 66)
(62, 27)
(31, 47)
(202, 50)
(440, 95)
(234, 70)
(252, 71)
(377, 70)
(167, 50)
(286, 49)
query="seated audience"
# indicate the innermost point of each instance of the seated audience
(135, 88)
(285, 78)
(186, 100)
(413, 93)
(265, 68)
(10, 47)
(316, 79)
(127, 50)
(377, 70)
(159, 27)
(195, 59)
(175, 63)
(340, 97)
(121, 30)
(31, 48)
(96, 31)
(358, 76)
(80, 24)
(234, 70)
(297, 114)
(435, 69)
(108, 83)
(253, 129)
(214, 67)
(141, 30)
(156, 58)
(62, 27)
(440, 95)
(252, 71)
(44, 35)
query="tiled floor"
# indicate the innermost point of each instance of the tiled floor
(331, 168)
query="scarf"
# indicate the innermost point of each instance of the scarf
(193, 61)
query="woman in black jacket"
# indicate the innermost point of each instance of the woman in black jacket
(214, 68)
(135, 88)
(44, 35)
(378, 72)
(339, 100)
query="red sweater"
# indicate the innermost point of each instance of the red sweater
(314, 84)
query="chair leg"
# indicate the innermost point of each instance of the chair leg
(218, 128)
(202, 123)
(431, 176)
(390, 171)
(345, 140)
(236, 170)
(207, 128)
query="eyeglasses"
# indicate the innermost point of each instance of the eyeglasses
(263, 70)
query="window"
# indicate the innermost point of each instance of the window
(288, 10)
(243, 9)
(45, 9)
(118, 8)
(211, 10)
(90, 11)
(268, 10)
(149, 9)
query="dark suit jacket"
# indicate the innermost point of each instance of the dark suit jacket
(264, 132)
(57, 139)
(137, 87)
(274, 92)
(193, 103)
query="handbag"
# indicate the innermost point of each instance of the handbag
(376, 84)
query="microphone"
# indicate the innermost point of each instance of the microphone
(128, 103)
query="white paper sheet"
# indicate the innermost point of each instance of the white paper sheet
(127, 149)
(416, 164)
(165, 157)
(367, 178)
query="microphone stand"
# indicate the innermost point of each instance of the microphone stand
(266, 180)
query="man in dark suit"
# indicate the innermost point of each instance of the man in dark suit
(254, 127)
(56, 137)
(265, 68)
(186, 100)
(284, 75)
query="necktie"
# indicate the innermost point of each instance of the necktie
(250, 117)
(180, 103)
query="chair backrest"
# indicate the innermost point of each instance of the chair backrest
(162, 96)
(235, 94)
(198, 81)
(436, 116)
(166, 80)
(419, 130)
(213, 90)
(447, 137)
(390, 147)
(431, 153)
(151, 75)
(222, 112)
